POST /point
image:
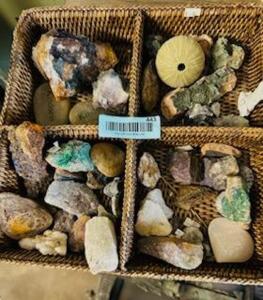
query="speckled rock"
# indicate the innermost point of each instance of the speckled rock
(50, 243)
(173, 250)
(101, 245)
(21, 217)
(229, 241)
(73, 156)
(218, 150)
(180, 167)
(73, 197)
(63, 221)
(77, 236)
(148, 170)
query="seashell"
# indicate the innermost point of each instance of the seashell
(108, 158)
(180, 61)
(148, 170)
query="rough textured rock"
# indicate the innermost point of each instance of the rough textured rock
(234, 203)
(216, 109)
(200, 114)
(108, 92)
(229, 241)
(247, 174)
(26, 145)
(70, 61)
(73, 197)
(21, 217)
(111, 190)
(148, 171)
(101, 245)
(50, 243)
(150, 87)
(231, 121)
(108, 158)
(193, 235)
(247, 101)
(217, 150)
(77, 235)
(205, 91)
(153, 43)
(94, 181)
(63, 175)
(63, 221)
(217, 170)
(47, 110)
(173, 250)
(73, 156)
(225, 54)
(152, 220)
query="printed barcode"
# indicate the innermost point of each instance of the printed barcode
(129, 127)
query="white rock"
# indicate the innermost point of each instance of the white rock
(247, 101)
(50, 243)
(156, 196)
(101, 245)
(191, 223)
(148, 171)
(152, 220)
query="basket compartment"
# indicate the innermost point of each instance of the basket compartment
(239, 24)
(119, 27)
(143, 265)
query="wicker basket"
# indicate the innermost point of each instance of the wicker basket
(123, 27)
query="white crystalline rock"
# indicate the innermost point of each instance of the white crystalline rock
(111, 189)
(191, 223)
(50, 243)
(247, 101)
(148, 170)
(101, 245)
(108, 92)
(156, 196)
(179, 233)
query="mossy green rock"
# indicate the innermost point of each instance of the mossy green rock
(73, 156)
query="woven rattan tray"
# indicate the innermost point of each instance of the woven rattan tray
(123, 28)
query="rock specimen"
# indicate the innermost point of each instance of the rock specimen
(216, 109)
(229, 241)
(47, 110)
(193, 235)
(191, 223)
(247, 101)
(205, 91)
(217, 170)
(94, 181)
(173, 250)
(247, 174)
(101, 245)
(111, 190)
(150, 87)
(231, 121)
(63, 175)
(153, 43)
(206, 43)
(21, 217)
(225, 54)
(200, 113)
(108, 92)
(70, 61)
(217, 150)
(77, 234)
(73, 197)
(73, 156)
(109, 159)
(234, 203)
(148, 171)
(83, 113)
(63, 221)
(180, 61)
(50, 243)
(26, 145)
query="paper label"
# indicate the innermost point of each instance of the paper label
(130, 127)
(191, 12)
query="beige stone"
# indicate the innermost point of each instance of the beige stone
(217, 149)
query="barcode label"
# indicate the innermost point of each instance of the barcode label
(129, 127)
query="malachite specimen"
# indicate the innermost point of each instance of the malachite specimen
(73, 156)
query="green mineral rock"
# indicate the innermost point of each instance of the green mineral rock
(225, 54)
(73, 156)
(234, 203)
(205, 91)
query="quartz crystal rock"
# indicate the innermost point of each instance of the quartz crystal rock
(205, 91)
(26, 145)
(21, 217)
(234, 203)
(217, 150)
(173, 250)
(231, 121)
(101, 245)
(111, 190)
(152, 219)
(148, 170)
(73, 197)
(225, 54)
(70, 61)
(108, 92)
(108, 158)
(217, 170)
(50, 243)
(77, 234)
(229, 241)
(73, 156)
